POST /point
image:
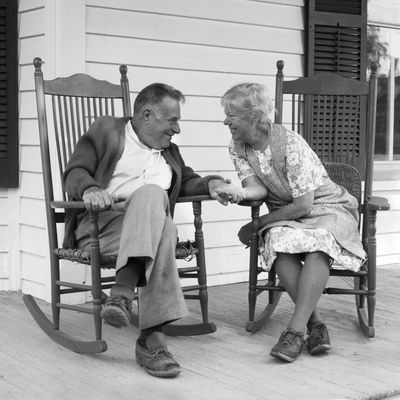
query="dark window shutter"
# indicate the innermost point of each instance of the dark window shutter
(337, 42)
(337, 37)
(8, 94)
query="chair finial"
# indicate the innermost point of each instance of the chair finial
(374, 67)
(37, 62)
(280, 64)
(123, 70)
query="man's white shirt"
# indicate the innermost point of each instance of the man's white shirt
(139, 165)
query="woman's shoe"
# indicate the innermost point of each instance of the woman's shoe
(318, 339)
(289, 346)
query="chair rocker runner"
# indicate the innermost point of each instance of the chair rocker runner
(74, 102)
(336, 116)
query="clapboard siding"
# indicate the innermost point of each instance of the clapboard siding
(204, 159)
(31, 234)
(30, 47)
(30, 21)
(30, 159)
(190, 82)
(29, 132)
(288, 14)
(197, 31)
(202, 48)
(31, 185)
(27, 217)
(3, 237)
(29, 5)
(33, 239)
(3, 206)
(102, 49)
(388, 227)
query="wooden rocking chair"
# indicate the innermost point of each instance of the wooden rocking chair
(336, 116)
(74, 102)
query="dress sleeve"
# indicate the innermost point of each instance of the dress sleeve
(305, 171)
(242, 167)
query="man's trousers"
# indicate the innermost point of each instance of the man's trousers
(144, 229)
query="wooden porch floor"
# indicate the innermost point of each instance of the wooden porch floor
(228, 364)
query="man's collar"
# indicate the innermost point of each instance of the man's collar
(137, 139)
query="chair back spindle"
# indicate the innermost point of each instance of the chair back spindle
(75, 102)
(330, 112)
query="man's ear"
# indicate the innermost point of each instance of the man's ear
(147, 115)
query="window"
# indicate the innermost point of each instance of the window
(384, 47)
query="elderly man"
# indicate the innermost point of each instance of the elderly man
(132, 160)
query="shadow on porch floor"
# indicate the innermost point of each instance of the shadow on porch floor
(228, 364)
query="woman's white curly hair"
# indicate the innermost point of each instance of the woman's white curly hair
(249, 99)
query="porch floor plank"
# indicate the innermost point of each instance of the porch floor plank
(228, 364)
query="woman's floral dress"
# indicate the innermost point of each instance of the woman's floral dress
(305, 173)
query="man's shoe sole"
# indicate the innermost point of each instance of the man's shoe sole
(114, 316)
(159, 374)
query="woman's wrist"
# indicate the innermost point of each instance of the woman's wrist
(244, 193)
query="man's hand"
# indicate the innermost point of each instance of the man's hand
(218, 190)
(232, 193)
(245, 234)
(226, 192)
(97, 199)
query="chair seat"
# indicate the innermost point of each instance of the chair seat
(184, 251)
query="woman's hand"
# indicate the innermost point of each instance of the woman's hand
(232, 193)
(245, 233)
(225, 192)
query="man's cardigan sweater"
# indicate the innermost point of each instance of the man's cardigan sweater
(95, 157)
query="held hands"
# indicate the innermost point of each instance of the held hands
(226, 192)
(231, 193)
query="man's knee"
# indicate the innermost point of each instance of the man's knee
(151, 191)
(150, 194)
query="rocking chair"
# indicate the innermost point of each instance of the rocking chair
(74, 102)
(336, 116)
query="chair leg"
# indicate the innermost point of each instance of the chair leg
(368, 283)
(206, 326)
(95, 264)
(255, 323)
(273, 299)
(365, 308)
(253, 264)
(55, 289)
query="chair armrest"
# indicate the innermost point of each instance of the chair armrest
(251, 203)
(67, 204)
(375, 203)
(81, 204)
(199, 197)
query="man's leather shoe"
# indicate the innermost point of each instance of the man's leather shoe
(117, 311)
(157, 360)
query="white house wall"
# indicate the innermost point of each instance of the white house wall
(388, 223)
(200, 47)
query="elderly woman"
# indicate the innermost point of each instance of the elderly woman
(312, 222)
